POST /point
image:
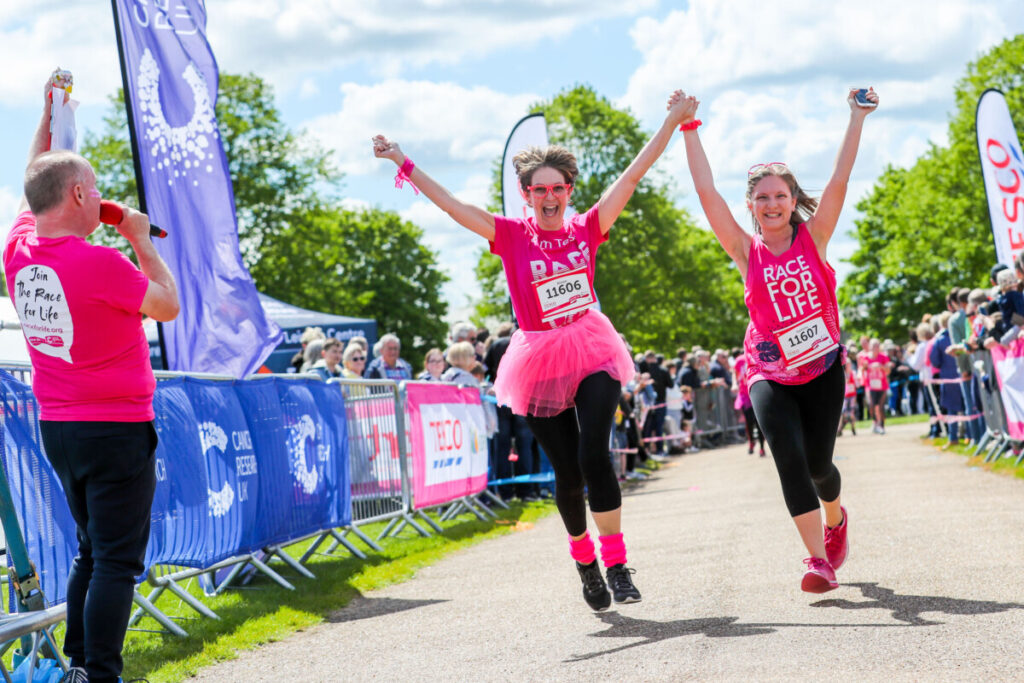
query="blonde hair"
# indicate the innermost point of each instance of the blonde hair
(460, 353)
(805, 204)
(557, 157)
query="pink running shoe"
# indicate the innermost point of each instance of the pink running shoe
(819, 577)
(837, 546)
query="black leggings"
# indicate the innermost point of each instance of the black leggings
(751, 422)
(576, 441)
(800, 422)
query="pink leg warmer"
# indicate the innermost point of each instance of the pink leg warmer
(582, 550)
(613, 550)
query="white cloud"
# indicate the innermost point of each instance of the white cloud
(10, 198)
(76, 35)
(457, 249)
(444, 123)
(276, 38)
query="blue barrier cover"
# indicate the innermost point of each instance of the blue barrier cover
(310, 461)
(179, 533)
(331, 402)
(262, 408)
(232, 472)
(46, 522)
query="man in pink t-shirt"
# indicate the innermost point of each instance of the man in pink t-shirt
(81, 309)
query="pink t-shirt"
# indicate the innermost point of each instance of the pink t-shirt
(79, 309)
(793, 335)
(878, 375)
(529, 253)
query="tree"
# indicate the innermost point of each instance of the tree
(662, 280)
(926, 228)
(276, 174)
(360, 263)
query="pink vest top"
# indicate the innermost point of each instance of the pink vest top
(793, 335)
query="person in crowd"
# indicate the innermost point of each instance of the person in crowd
(308, 335)
(849, 400)
(312, 354)
(94, 387)
(329, 365)
(361, 342)
(876, 379)
(353, 361)
(919, 362)
(387, 364)
(688, 376)
(563, 372)
(959, 331)
(461, 358)
(899, 374)
(719, 368)
(794, 365)
(743, 404)
(433, 366)
(689, 414)
(1011, 305)
(951, 399)
(914, 377)
(654, 425)
(499, 345)
(703, 366)
(860, 366)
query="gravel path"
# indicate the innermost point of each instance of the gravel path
(932, 590)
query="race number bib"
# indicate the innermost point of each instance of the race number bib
(564, 294)
(806, 340)
(875, 384)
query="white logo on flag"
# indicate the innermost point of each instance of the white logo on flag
(211, 434)
(220, 501)
(176, 149)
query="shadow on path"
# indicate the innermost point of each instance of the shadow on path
(367, 608)
(909, 608)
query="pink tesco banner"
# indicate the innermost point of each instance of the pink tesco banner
(1009, 364)
(448, 442)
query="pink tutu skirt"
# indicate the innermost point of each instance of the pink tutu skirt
(541, 371)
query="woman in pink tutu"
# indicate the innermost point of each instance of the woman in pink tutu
(565, 367)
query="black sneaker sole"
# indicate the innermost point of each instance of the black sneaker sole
(628, 601)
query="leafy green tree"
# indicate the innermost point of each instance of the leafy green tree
(662, 280)
(359, 263)
(926, 228)
(276, 174)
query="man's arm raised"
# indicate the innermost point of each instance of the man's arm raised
(40, 140)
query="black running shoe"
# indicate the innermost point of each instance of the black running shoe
(75, 674)
(595, 592)
(622, 585)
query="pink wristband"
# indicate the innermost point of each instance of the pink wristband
(402, 177)
(692, 125)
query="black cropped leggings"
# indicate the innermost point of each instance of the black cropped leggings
(800, 422)
(576, 442)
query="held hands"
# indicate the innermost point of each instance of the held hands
(134, 225)
(856, 108)
(386, 149)
(681, 107)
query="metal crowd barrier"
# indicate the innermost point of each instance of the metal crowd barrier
(715, 420)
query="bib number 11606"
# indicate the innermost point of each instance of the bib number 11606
(563, 294)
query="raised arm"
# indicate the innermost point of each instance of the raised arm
(41, 138)
(614, 199)
(731, 236)
(468, 216)
(823, 223)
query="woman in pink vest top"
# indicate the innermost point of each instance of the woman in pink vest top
(794, 364)
(565, 368)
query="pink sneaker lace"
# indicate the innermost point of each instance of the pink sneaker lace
(816, 564)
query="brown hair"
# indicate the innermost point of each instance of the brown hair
(330, 344)
(49, 176)
(805, 204)
(553, 156)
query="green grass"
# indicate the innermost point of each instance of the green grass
(1004, 465)
(865, 425)
(266, 613)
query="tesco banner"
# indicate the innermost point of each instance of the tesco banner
(1002, 165)
(448, 438)
(1009, 364)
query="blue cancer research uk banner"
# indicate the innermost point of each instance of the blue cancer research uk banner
(172, 81)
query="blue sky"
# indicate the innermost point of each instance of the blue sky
(448, 79)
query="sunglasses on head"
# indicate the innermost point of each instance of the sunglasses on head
(770, 166)
(556, 189)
